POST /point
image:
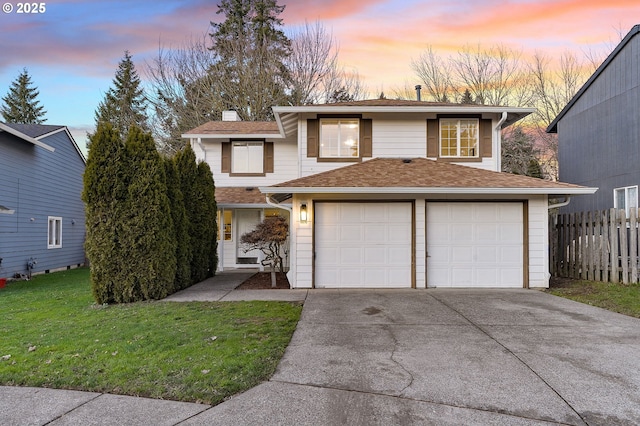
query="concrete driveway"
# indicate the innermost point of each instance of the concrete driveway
(448, 357)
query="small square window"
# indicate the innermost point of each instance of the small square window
(247, 157)
(54, 233)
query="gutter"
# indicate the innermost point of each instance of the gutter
(279, 206)
(567, 200)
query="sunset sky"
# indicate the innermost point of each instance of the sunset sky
(72, 49)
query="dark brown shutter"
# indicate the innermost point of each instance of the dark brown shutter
(268, 157)
(366, 138)
(226, 157)
(313, 134)
(486, 140)
(432, 138)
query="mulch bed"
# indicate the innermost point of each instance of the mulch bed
(262, 281)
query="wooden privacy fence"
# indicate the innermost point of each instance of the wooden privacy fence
(597, 246)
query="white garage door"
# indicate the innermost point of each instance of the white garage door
(362, 245)
(475, 245)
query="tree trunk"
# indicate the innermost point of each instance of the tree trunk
(273, 276)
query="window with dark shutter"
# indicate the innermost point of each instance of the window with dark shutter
(268, 157)
(486, 139)
(432, 138)
(366, 138)
(313, 136)
(226, 157)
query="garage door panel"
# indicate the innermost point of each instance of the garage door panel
(481, 246)
(369, 246)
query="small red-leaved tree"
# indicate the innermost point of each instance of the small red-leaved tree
(269, 236)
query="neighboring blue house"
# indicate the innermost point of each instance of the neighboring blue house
(599, 132)
(41, 210)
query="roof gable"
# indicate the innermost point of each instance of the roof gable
(553, 127)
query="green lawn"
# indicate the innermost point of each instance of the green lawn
(621, 298)
(53, 335)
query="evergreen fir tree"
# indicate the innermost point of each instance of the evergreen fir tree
(251, 48)
(467, 98)
(207, 188)
(124, 104)
(21, 103)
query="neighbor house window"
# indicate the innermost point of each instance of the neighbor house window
(339, 137)
(247, 157)
(54, 238)
(459, 137)
(625, 198)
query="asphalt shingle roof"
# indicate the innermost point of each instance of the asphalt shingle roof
(236, 127)
(417, 173)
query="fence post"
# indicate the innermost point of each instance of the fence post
(613, 238)
(597, 247)
(624, 253)
(606, 246)
(633, 244)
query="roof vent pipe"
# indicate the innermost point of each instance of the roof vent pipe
(418, 88)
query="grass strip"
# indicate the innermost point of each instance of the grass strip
(621, 298)
(54, 335)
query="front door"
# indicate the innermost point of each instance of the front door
(247, 219)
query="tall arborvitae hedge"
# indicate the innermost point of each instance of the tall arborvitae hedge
(187, 170)
(104, 194)
(180, 226)
(206, 186)
(196, 183)
(148, 237)
(152, 225)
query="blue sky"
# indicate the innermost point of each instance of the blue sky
(72, 50)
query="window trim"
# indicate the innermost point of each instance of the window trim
(56, 242)
(627, 205)
(458, 144)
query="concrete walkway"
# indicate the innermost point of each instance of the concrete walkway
(223, 286)
(381, 357)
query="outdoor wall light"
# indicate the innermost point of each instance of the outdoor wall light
(303, 213)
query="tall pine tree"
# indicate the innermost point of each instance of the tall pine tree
(125, 103)
(251, 50)
(21, 103)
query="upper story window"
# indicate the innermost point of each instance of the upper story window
(54, 234)
(339, 138)
(247, 157)
(459, 138)
(625, 198)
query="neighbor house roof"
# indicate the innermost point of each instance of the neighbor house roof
(553, 127)
(420, 175)
(17, 130)
(34, 130)
(235, 128)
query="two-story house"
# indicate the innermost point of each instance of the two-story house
(383, 193)
(42, 222)
(599, 132)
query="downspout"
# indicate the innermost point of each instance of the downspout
(567, 200)
(499, 140)
(204, 151)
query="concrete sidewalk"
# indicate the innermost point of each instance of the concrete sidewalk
(382, 357)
